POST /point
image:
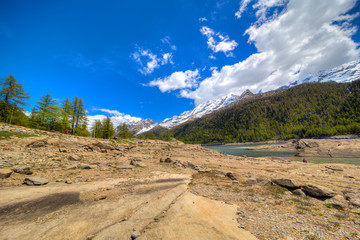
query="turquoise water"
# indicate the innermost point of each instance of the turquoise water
(240, 150)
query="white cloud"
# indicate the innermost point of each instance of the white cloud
(221, 44)
(177, 80)
(203, 19)
(149, 61)
(116, 117)
(166, 40)
(301, 39)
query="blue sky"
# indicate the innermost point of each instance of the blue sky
(156, 59)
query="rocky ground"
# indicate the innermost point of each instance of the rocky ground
(55, 186)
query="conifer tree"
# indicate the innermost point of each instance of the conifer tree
(97, 129)
(45, 101)
(123, 131)
(78, 113)
(13, 95)
(108, 128)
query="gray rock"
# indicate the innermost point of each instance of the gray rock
(63, 150)
(135, 235)
(68, 181)
(168, 160)
(84, 166)
(231, 176)
(337, 201)
(140, 164)
(284, 182)
(124, 167)
(334, 168)
(35, 181)
(74, 157)
(298, 192)
(318, 191)
(353, 198)
(5, 173)
(263, 182)
(192, 166)
(22, 170)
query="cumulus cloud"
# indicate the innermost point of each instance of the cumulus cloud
(305, 37)
(150, 61)
(177, 80)
(218, 42)
(203, 19)
(116, 117)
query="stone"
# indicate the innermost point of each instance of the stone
(298, 192)
(334, 168)
(74, 157)
(124, 167)
(68, 181)
(263, 182)
(285, 182)
(84, 166)
(337, 201)
(161, 160)
(35, 181)
(38, 144)
(192, 166)
(5, 173)
(140, 164)
(168, 160)
(135, 234)
(231, 176)
(353, 198)
(317, 191)
(22, 170)
(62, 150)
(58, 180)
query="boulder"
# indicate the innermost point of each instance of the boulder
(263, 182)
(337, 201)
(74, 157)
(334, 168)
(298, 192)
(5, 173)
(168, 160)
(135, 234)
(231, 176)
(38, 144)
(317, 191)
(140, 164)
(22, 170)
(353, 198)
(285, 182)
(35, 181)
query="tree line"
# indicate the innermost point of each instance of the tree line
(48, 114)
(305, 111)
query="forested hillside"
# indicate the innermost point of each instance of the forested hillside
(308, 110)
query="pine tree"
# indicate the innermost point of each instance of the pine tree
(13, 95)
(108, 128)
(97, 129)
(78, 113)
(45, 101)
(123, 131)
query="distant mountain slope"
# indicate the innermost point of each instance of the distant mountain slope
(307, 110)
(347, 72)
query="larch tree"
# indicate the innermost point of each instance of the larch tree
(13, 95)
(108, 128)
(45, 101)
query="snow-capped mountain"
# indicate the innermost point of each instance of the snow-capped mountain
(345, 73)
(137, 126)
(201, 110)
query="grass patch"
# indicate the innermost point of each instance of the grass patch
(7, 134)
(276, 191)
